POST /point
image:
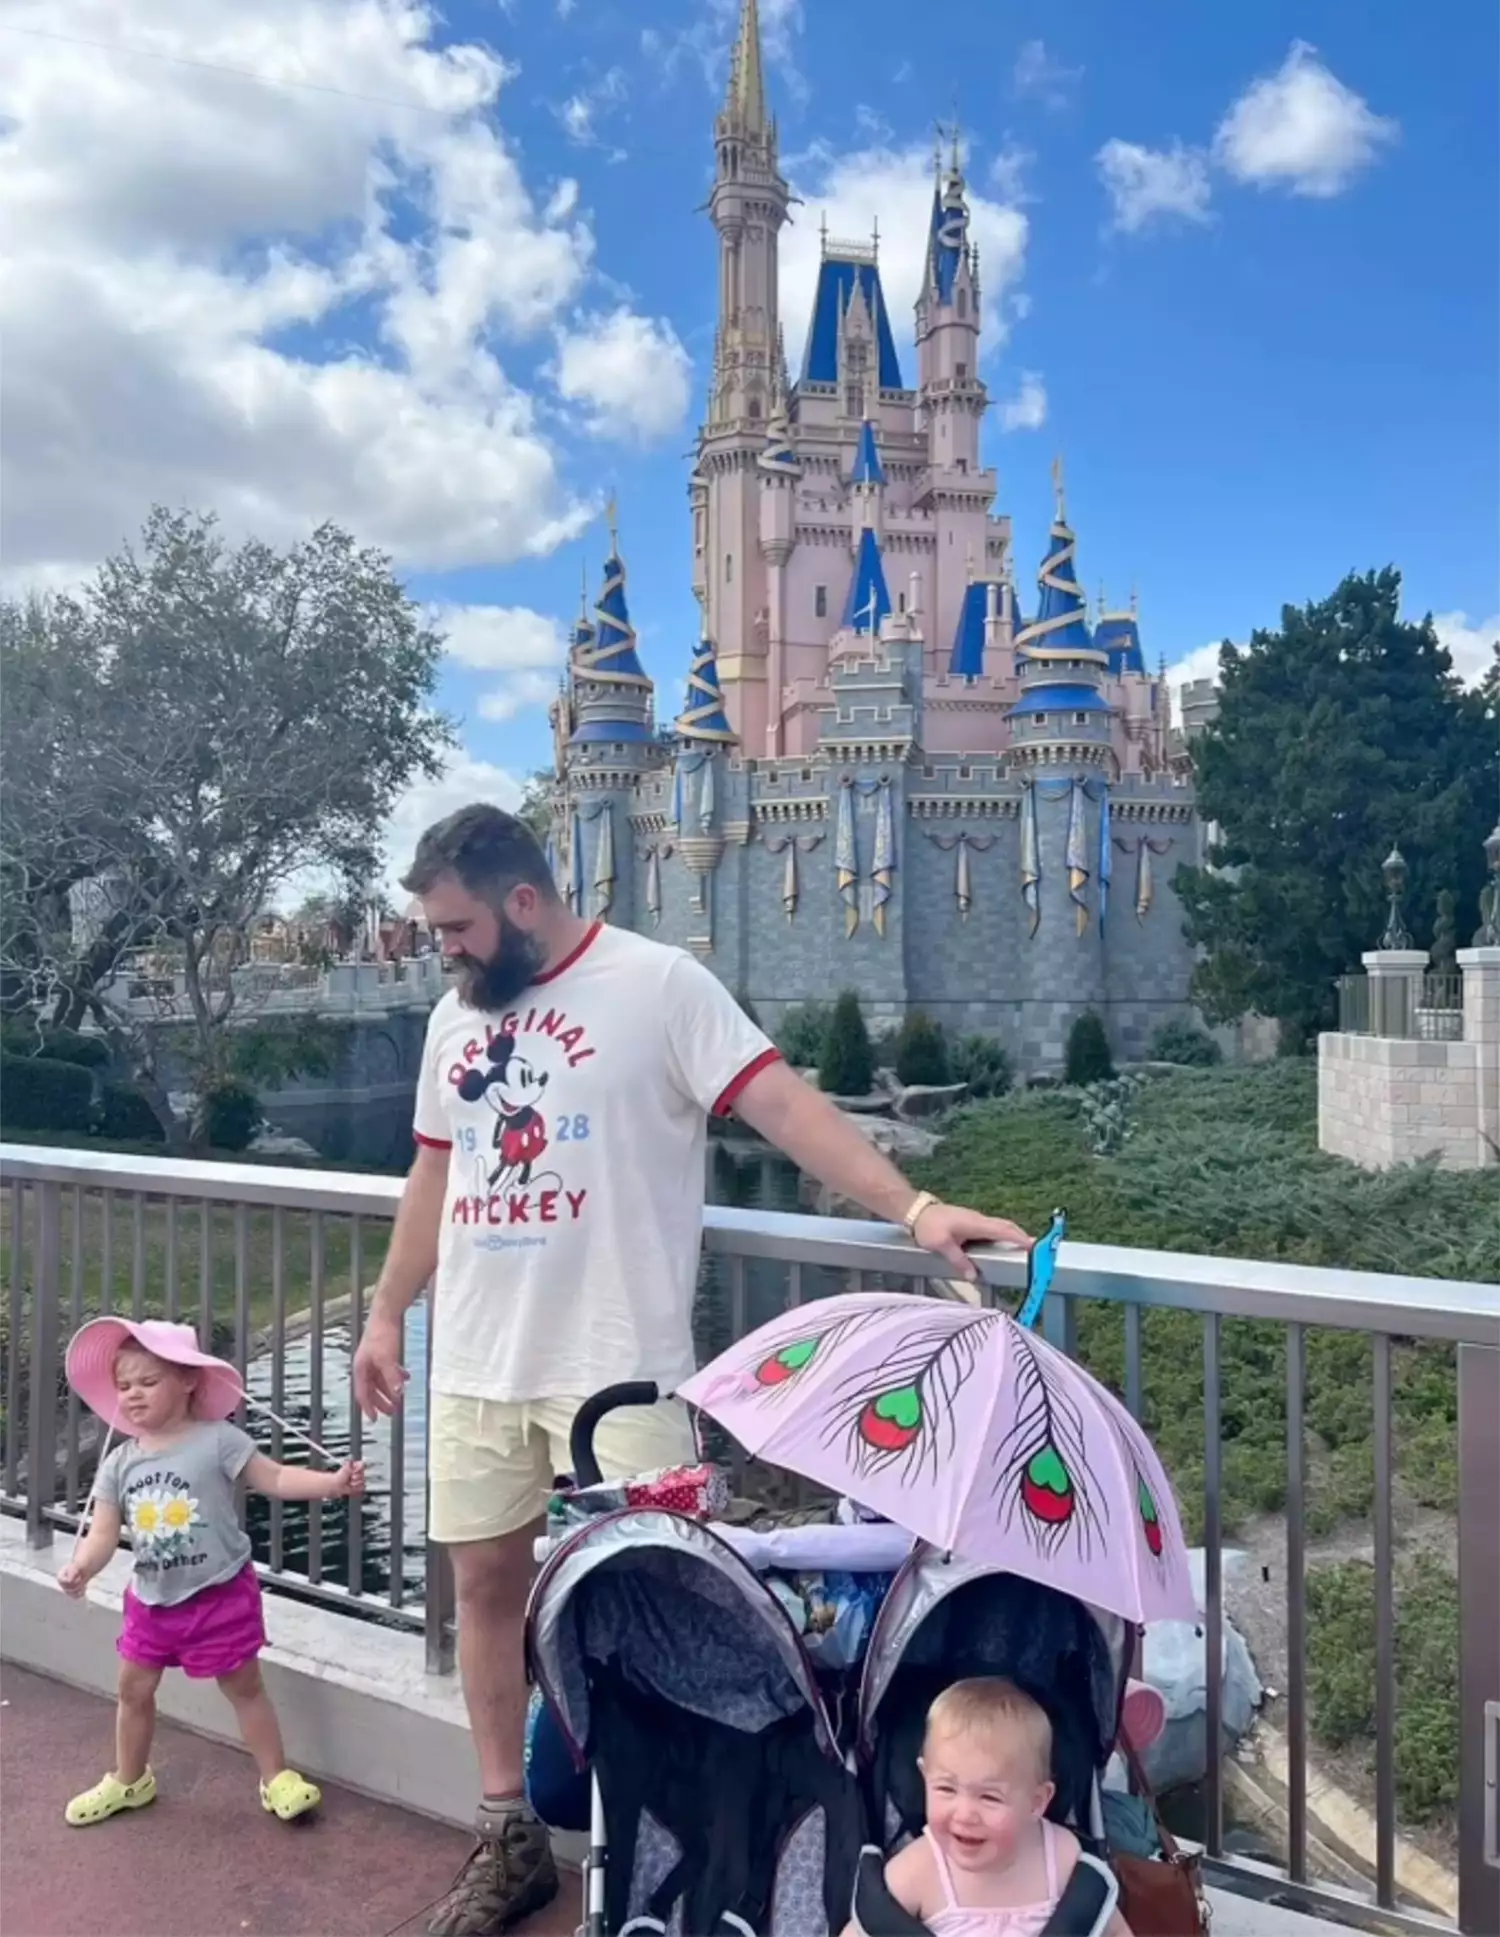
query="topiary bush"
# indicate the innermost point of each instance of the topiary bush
(803, 1033)
(847, 1066)
(1179, 1041)
(921, 1050)
(227, 1116)
(1088, 1058)
(981, 1062)
(126, 1117)
(39, 1093)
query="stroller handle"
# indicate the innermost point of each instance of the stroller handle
(634, 1392)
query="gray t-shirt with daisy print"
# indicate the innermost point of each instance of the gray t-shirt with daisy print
(178, 1508)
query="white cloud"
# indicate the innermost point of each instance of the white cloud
(1027, 410)
(1008, 173)
(1301, 129)
(526, 648)
(524, 690)
(273, 260)
(891, 186)
(1201, 663)
(1147, 185)
(630, 375)
(1473, 647)
(499, 638)
(1042, 76)
(464, 780)
(580, 114)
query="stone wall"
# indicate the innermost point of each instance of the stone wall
(1383, 1102)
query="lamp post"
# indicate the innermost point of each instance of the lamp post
(1393, 868)
(1489, 898)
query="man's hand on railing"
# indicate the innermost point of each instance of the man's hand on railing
(379, 1376)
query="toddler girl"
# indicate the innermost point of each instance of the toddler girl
(990, 1863)
(194, 1598)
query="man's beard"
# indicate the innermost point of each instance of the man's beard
(518, 960)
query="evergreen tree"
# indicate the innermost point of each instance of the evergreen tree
(921, 1050)
(848, 1064)
(1340, 734)
(1088, 1058)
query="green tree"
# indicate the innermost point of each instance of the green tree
(921, 1050)
(200, 726)
(847, 1067)
(536, 804)
(1088, 1059)
(1340, 734)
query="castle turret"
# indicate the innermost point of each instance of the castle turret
(948, 309)
(1062, 717)
(868, 604)
(702, 720)
(867, 481)
(612, 745)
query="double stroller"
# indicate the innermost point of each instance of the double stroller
(735, 1787)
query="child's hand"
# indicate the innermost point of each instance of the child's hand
(73, 1579)
(350, 1478)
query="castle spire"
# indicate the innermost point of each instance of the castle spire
(612, 689)
(745, 101)
(702, 718)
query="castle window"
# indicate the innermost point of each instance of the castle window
(1080, 719)
(963, 302)
(755, 406)
(963, 464)
(900, 601)
(963, 773)
(961, 372)
(820, 601)
(729, 568)
(1041, 719)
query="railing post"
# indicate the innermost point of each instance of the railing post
(438, 1610)
(41, 1431)
(1395, 977)
(1478, 1640)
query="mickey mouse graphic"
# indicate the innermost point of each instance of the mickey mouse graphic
(513, 1088)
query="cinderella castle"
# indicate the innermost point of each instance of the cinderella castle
(888, 775)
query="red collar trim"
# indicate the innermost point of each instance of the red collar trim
(562, 967)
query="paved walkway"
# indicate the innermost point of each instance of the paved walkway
(204, 1860)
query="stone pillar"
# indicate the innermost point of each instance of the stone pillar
(1395, 980)
(1481, 973)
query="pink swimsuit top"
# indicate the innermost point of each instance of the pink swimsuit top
(1011, 1920)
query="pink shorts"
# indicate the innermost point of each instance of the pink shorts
(213, 1633)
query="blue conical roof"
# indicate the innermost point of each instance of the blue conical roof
(869, 600)
(703, 716)
(614, 653)
(868, 468)
(966, 661)
(1061, 622)
(612, 686)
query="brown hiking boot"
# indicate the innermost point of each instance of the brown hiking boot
(510, 1875)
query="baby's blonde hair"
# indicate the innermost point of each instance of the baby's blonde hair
(992, 1706)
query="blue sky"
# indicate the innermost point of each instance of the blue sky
(447, 280)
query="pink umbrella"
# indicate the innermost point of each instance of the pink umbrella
(973, 1434)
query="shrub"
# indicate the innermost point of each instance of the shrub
(981, 1062)
(1341, 1673)
(847, 1067)
(1088, 1057)
(126, 1117)
(802, 1035)
(921, 1050)
(1106, 1114)
(228, 1115)
(1180, 1041)
(22, 1037)
(38, 1093)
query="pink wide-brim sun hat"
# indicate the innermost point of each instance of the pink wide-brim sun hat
(94, 1347)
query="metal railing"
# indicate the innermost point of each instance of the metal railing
(1405, 1008)
(270, 1265)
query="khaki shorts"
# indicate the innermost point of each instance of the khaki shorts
(491, 1462)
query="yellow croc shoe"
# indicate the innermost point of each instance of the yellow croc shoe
(108, 1797)
(289, 1795)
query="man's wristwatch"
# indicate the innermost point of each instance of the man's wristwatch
(920, 1205)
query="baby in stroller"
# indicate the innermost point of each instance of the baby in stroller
(736, 1790)
(990, 1862)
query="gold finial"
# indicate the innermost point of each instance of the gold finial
(612, 518)
(937, 149)
(1102, 606)
(955, 134)
(875, 235)
(583, 588)
(823, 231)
(1057, 486)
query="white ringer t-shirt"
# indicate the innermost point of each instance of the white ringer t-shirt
(577, 1126)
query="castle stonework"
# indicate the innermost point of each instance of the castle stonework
(885, 777)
